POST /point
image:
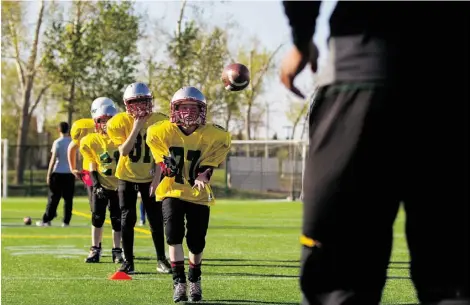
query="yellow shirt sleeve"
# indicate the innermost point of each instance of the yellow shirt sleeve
(157, 146)
(218, 150)
(87, 151)
(116, 130)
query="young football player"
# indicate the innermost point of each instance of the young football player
(79, 130)
(128, 130)
(186, 151)
(103, 156)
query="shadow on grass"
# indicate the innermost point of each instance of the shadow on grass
(241, 302)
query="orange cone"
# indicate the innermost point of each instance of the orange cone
(119, 275)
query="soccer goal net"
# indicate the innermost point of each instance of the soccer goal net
(266, 169)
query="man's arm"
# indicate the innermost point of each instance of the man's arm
(155, 181)
(72, 158)
(302, 16)
(51, 162)
(128, 145)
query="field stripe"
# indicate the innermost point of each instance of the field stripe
(6, 236)
(86, 215)
(137, 277)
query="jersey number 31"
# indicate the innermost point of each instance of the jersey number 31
(136, 153)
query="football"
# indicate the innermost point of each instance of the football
(236, 77)
(27, 221)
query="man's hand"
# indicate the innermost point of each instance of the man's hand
(48, 179)
(203, 178)
(140, 122)
(77, 174)
(168, 166)
(200, 184)
(294, 62)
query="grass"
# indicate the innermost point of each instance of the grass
(251, 257)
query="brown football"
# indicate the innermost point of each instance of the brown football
(236, 77)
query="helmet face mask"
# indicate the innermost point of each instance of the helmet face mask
(102, 109)
(188, 107)
(139, 107)
(100, 123)
(138, 100)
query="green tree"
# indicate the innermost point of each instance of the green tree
(95, 55)
(260, 62)
(195, 58)
(15, 40)
(297, 110)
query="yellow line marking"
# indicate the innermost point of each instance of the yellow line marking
(5, 236)
(86, 215)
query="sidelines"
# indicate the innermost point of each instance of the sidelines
(74, 212)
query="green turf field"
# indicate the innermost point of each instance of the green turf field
(251, 257)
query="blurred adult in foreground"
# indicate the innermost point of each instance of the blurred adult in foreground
(389, 125)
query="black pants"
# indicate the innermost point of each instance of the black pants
(60, 186)
(128, 200)
(373, 146)
(197, 222)
(111, 200)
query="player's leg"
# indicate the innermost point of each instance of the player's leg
(197, 222)
(437, 190)
(350, 200)
(115, 216)
(173, 215)
(142, 213)
(68, 185)
(98, 215)
(55, 193)
(155, 217)
(127, 192)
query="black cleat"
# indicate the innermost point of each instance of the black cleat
(94, 256)
(195, 291)
(127, 267)
(163, 266)
(179, 292)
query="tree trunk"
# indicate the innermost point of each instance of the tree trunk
(27, 87)
(248, 128)
(23, 128)
(71, 100)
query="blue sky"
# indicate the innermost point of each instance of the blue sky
(266, 21)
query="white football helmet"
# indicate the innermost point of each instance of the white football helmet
(102, 109)
(138, 100)
(188, 118)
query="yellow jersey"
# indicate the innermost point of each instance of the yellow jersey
(99, 149)
(206, 146)
(80, 129)
(138, 165)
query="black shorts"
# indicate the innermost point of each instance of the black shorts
(197, 222)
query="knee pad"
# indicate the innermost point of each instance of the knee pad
(116, 224)
(195, 245)
(97, 220)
